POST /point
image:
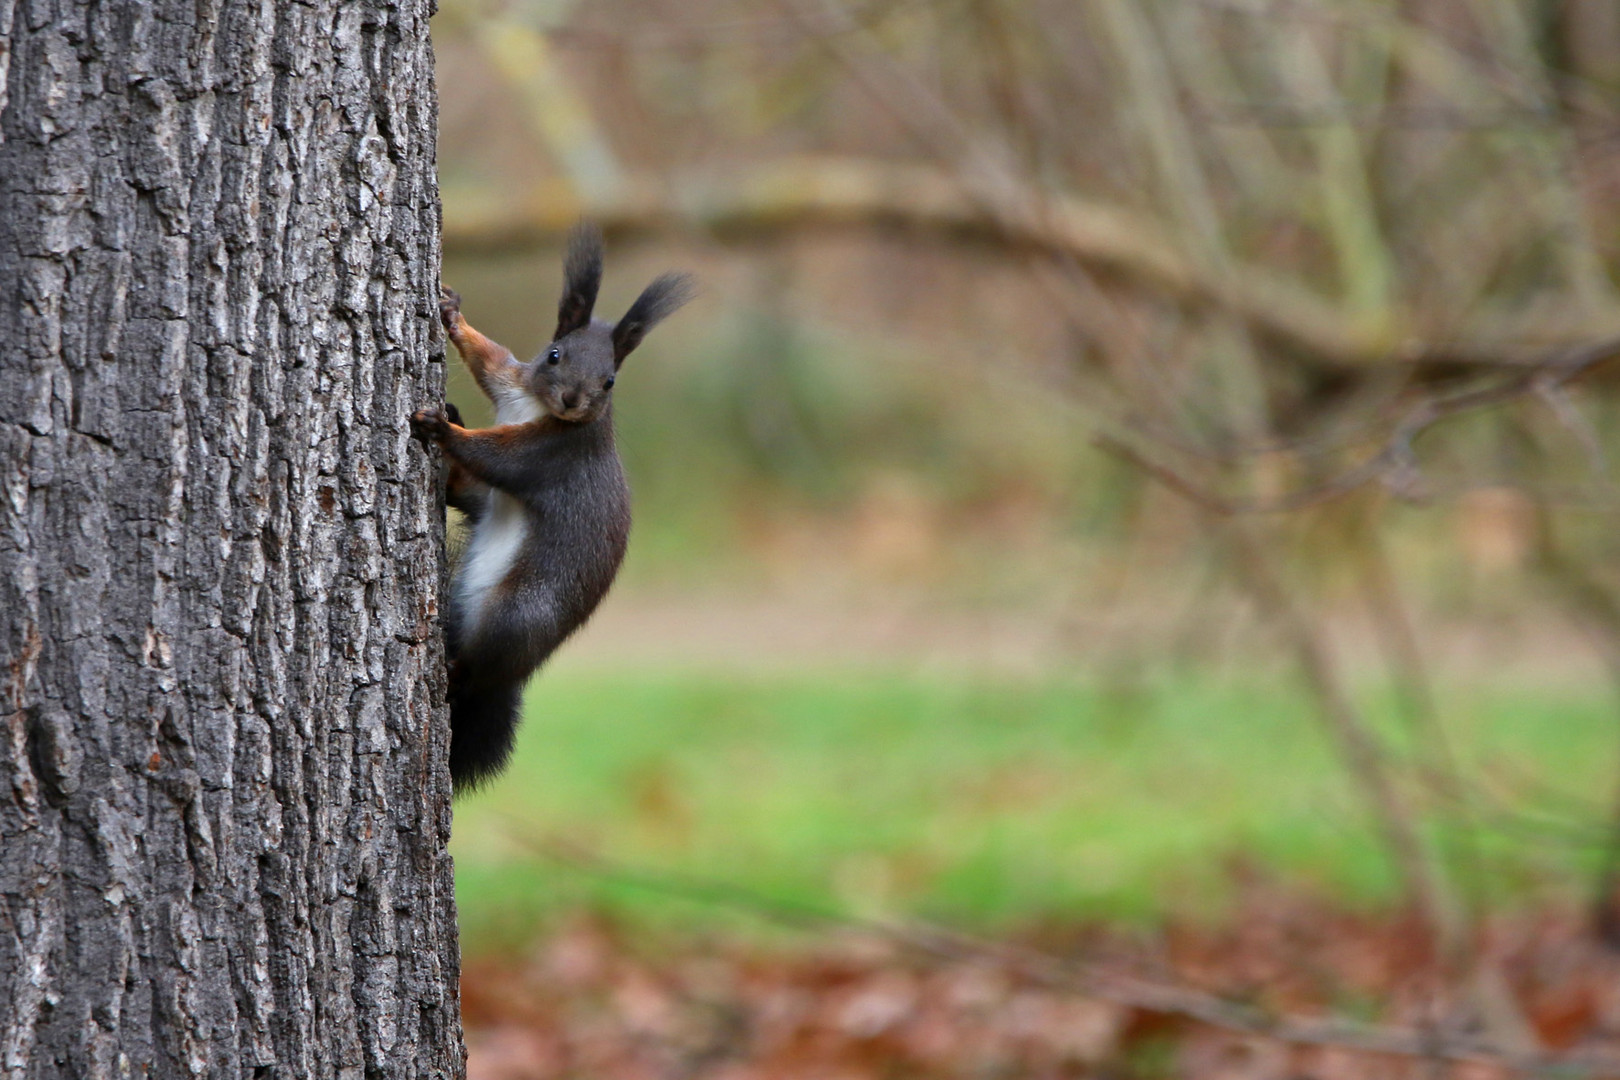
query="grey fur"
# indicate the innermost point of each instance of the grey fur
(563, 471)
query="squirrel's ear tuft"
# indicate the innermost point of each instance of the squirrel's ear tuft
(656, 302)
(582, 276)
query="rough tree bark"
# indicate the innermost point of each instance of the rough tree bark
(224, 801)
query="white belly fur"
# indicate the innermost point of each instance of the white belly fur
(499, 535)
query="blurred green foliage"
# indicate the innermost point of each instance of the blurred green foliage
(984, 802)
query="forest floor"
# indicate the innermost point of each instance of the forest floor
(1292, 989)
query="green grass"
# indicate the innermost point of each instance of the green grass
(981, 802)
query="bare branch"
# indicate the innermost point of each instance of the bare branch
(768, 200)
(1395, 462)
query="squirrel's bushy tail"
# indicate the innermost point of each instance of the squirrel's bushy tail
(483, 723)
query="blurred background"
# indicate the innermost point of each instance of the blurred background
(1124, 579)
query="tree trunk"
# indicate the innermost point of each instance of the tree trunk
(224, 800)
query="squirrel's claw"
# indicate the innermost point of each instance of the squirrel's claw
(430, 425)
(449, 306)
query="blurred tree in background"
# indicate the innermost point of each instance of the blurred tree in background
(1242, 238)
(1331, 284)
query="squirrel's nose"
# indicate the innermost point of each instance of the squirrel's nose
(570, 400)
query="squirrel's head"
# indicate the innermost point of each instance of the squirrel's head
(573, 376)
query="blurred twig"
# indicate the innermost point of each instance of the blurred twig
(1594, 607)
(1436, 759)
(1395, 462)
(1360, 746)
(560, 117)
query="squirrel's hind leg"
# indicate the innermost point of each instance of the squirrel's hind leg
(465, 492)
(462, 490)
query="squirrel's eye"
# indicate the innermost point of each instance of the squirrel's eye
(554, 355)
(609, 384)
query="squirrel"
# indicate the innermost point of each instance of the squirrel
(545, 496)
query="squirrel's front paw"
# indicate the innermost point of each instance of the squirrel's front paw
(430, 425)
(449, 308)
